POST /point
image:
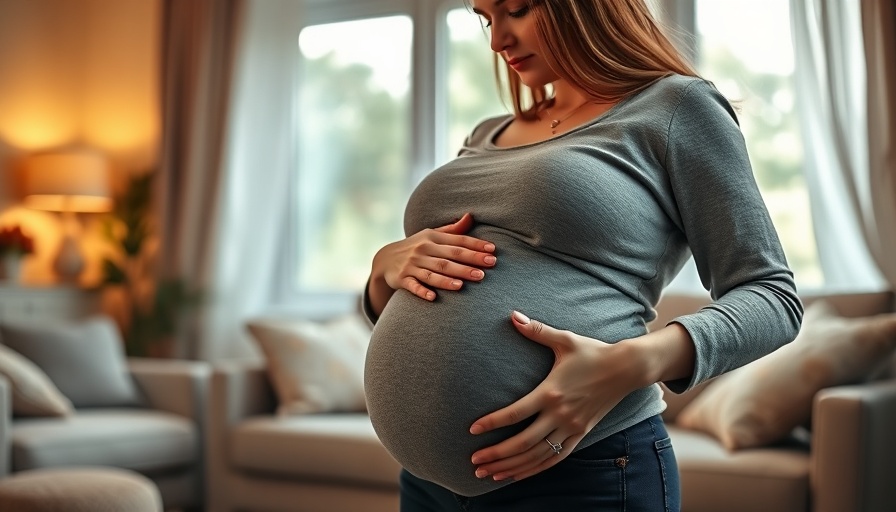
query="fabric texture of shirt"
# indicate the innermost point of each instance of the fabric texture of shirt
(590, 226)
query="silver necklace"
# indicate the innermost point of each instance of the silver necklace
(556, 122)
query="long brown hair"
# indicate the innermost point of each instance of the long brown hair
(609, 48)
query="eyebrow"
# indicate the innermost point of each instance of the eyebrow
(497, 4)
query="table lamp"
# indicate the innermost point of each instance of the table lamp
(69, 182)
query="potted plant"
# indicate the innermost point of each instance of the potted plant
(14, 246)
(150, 307)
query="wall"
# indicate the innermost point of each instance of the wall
(81, 72)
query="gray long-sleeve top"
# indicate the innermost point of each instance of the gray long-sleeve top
(590, 226)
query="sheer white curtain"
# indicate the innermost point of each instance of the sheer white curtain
(832, 102)
(254, 207)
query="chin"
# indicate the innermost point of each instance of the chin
(535, 81)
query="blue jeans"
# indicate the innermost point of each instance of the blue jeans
(632, 470)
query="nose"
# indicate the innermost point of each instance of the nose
(501, 38)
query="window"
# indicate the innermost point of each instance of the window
(390, 88)
(353, 129)
(472, 93)
(756, 73)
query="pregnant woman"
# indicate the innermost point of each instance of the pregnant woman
(617, 164)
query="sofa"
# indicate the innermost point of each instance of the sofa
(257, 460)
(154, 427)
(843, 460)
(332, 462)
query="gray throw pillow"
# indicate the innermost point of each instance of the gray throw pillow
(84, 359)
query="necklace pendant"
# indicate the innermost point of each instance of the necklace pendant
(554, 123)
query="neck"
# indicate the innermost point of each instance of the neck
(555, 121)
(567, 105)
(567, 97)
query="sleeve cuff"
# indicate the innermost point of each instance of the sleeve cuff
(366, 308)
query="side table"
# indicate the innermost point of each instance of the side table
(47, 303)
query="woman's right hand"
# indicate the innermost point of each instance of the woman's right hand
(440, 258)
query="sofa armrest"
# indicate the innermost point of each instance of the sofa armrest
(238, 390)
(853, 447)
(175, 386)
(5, 426)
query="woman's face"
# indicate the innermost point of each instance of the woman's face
(514, 36)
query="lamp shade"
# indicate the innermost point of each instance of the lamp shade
(72, 181)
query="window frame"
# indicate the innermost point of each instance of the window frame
(427, 125)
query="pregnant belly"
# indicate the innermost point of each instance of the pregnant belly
(434, 368)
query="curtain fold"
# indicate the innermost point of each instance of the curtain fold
(879, 29)
(259, 163)
(198, 41)
(834, 114)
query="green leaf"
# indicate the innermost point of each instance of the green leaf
(112, 273)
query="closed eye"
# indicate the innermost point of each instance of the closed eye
(519, 13)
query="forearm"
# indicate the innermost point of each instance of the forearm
(664, 355)
(378, 293)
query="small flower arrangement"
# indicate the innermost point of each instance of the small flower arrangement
(14, 242)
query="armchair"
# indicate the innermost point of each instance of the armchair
(160, 438)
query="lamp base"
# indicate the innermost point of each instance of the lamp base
(11, 268)
(69, 263)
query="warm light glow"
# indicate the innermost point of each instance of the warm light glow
(60, 203)
(40, 74)
(121, 88)
(69, 181)
(123, 122)
(31, 121)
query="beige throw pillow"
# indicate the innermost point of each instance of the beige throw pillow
(315, 366)
(33, 393)
(764, 401)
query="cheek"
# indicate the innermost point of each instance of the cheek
(543, 49)
(532, 36)
(536, 43)
(548, 64)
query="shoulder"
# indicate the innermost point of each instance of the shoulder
(673, 90)
(668, 101)
(677, 103)
(697, 97)
(702, 124)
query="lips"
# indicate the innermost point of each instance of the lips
(517, 60)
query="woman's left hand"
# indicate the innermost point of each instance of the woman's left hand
(588, 379)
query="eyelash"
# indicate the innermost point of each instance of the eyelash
(519, 13)
(513, 14)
